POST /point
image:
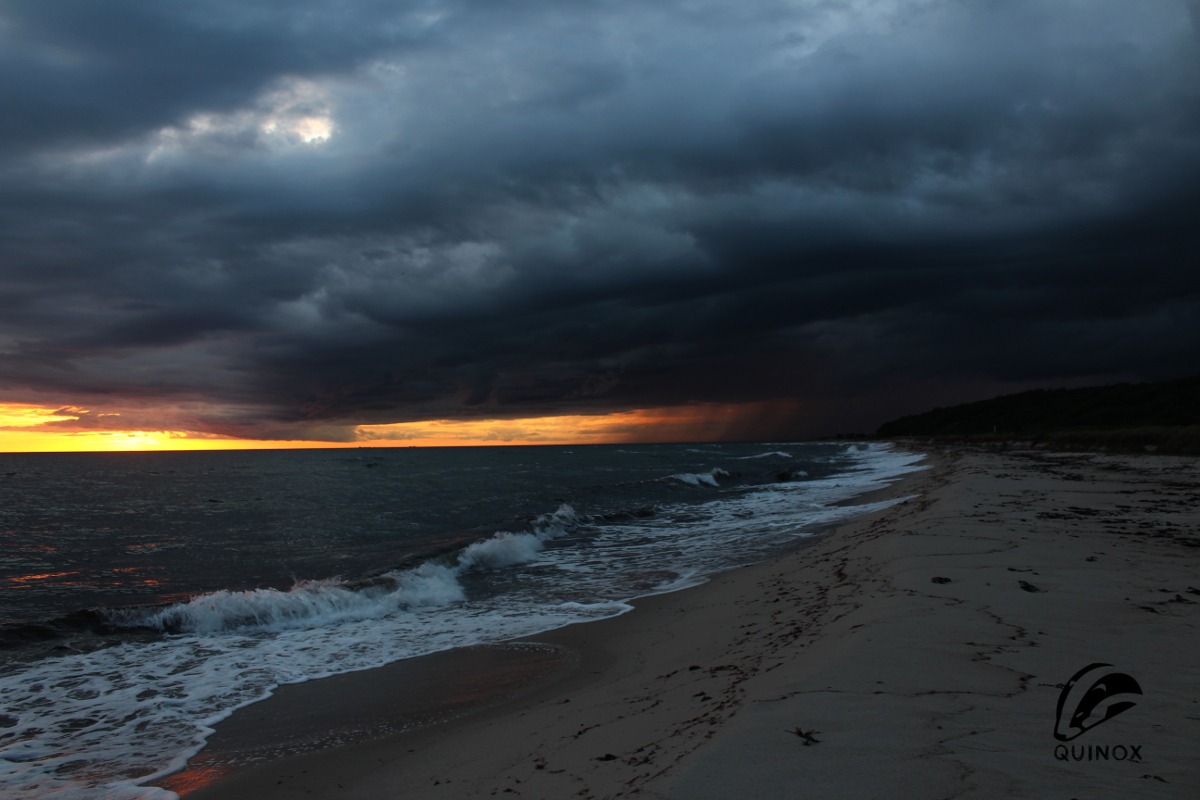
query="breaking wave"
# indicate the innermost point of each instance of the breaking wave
(311, 604)
(779, 453)
(702, 478)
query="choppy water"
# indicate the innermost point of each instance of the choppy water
(148, 595)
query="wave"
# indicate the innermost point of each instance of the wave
(310, 604)
(779, 453)
(702, 478)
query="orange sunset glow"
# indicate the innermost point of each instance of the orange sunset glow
(29, 428)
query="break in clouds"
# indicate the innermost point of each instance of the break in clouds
(279, 219)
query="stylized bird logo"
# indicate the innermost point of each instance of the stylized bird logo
(1088, 703)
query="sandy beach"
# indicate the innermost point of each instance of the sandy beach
(917, 652)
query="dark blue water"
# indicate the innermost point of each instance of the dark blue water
(104, 529)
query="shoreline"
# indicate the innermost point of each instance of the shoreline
(844, 669)
(367, 705)
(219, 767)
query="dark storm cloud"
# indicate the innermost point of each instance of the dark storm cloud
(82, 71)
(307, 215)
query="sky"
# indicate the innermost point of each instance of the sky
(286, 223)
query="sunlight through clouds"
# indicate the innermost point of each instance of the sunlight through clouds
(296, 114)
(18, 415)
(27, 428)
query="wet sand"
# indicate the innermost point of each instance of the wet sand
(354, 707)
(917, 652)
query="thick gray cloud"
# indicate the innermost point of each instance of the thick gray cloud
(284, 215)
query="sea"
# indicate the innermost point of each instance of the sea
(146, 596)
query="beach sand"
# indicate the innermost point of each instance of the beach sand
(917, 652)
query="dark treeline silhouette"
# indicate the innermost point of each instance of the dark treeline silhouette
(1162, 416)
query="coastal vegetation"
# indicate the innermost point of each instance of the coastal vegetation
(1159, 417)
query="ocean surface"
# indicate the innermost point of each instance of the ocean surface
(146, 596)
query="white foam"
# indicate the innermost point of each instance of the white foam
(697, 478)
(778, 453)
(134, 713)
(312, 604)
(308, 604)
(562, 521)
(502, 550)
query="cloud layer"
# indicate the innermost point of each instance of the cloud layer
(261, 218)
